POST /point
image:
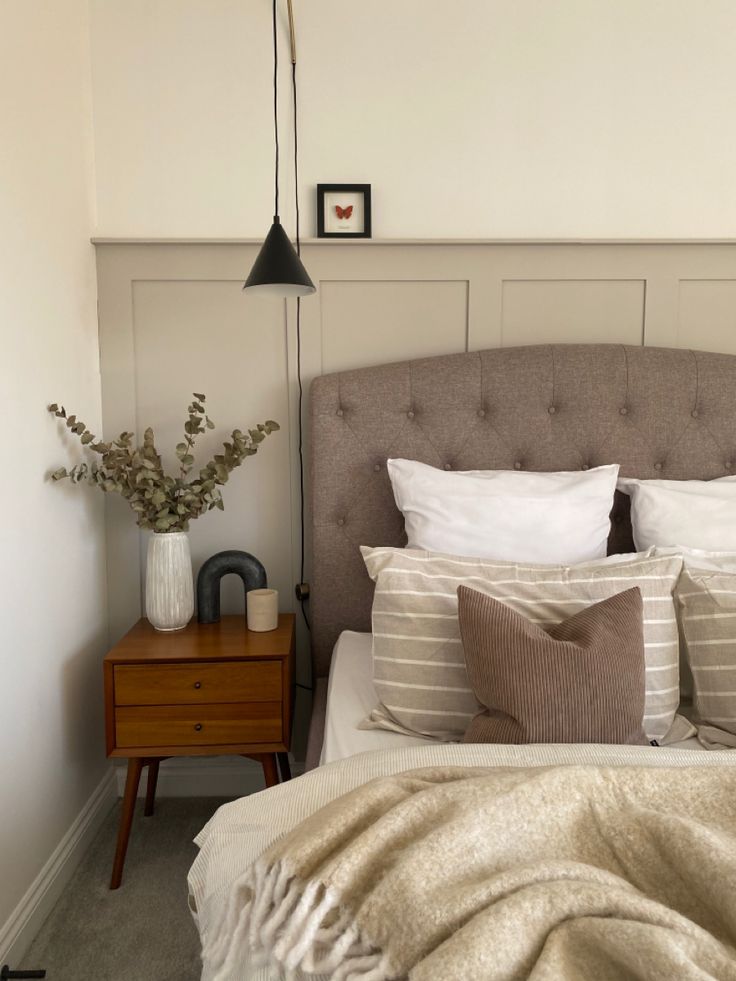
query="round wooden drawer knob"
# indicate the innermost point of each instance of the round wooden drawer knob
(198, 727)
(197, 684)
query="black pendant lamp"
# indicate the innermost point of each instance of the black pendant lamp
(278, 270)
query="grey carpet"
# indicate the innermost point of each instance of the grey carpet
(142, 931)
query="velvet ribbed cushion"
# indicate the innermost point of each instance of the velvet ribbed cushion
(579, 681)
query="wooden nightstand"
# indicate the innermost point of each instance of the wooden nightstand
(207, 690)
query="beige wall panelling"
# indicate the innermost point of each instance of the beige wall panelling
(707, 310)
(707, 313)
(442, 290)
(568, 293)
(371, 322)
(572, 310)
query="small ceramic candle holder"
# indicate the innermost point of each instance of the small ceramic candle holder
(262, 609)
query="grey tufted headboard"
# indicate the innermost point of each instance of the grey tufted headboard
(657, 412)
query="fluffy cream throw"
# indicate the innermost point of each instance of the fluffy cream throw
(573, 872)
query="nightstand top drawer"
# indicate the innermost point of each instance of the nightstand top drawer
(196, 684)
(228, 639)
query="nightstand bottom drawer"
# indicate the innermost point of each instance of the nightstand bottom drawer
(197, 725)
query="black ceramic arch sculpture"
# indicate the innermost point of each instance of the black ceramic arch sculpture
(243, 564)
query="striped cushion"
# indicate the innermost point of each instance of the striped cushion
(707, 602)
(418, 663)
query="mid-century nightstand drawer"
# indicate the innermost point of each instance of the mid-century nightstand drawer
(197, 725)
(180, 684)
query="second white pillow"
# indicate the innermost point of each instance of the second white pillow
(546, 518)
(699, 514)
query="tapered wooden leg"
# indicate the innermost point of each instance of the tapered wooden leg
(270, 770)
(268, 762)
(135, 765)
(284, 766)
(151, 786)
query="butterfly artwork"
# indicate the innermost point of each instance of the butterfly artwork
(343, 210)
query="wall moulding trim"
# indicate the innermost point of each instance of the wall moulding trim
(101, 240)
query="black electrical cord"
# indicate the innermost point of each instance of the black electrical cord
(276, 112)
(299, 345)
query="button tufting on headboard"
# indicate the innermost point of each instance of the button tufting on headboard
(639, 407)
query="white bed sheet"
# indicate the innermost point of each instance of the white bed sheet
(351, 696)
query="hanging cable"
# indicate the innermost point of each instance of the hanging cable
(298, 319)
(276, 112)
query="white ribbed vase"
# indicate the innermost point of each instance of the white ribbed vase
(169, 583)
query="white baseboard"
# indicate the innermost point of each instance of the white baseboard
(204, 776)
(28, 916)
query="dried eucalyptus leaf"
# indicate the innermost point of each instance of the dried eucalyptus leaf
(160, 501)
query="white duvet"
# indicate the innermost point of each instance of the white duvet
(240, 831)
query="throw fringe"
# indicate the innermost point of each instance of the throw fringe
(294, 925)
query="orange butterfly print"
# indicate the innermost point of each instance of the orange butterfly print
(344, 212)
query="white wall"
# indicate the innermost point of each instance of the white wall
(484, 118)
(52, 585)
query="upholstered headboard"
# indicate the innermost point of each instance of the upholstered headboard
(657, 412)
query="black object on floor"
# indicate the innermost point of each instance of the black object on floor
(6, 974)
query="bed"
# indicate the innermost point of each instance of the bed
(658, 413)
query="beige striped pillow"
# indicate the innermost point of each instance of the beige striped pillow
(707, 603)
(418, 664)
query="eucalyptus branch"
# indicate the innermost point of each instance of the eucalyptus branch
(192, 428)
(161, 502)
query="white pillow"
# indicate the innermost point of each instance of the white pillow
(699, 514)
(545, 518)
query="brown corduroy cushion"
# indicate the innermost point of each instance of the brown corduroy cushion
(580, 681)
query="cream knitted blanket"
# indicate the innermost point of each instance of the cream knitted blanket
(450, 873)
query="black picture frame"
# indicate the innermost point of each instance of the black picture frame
(325, 189)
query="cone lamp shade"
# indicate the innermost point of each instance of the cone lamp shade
(278, 270)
